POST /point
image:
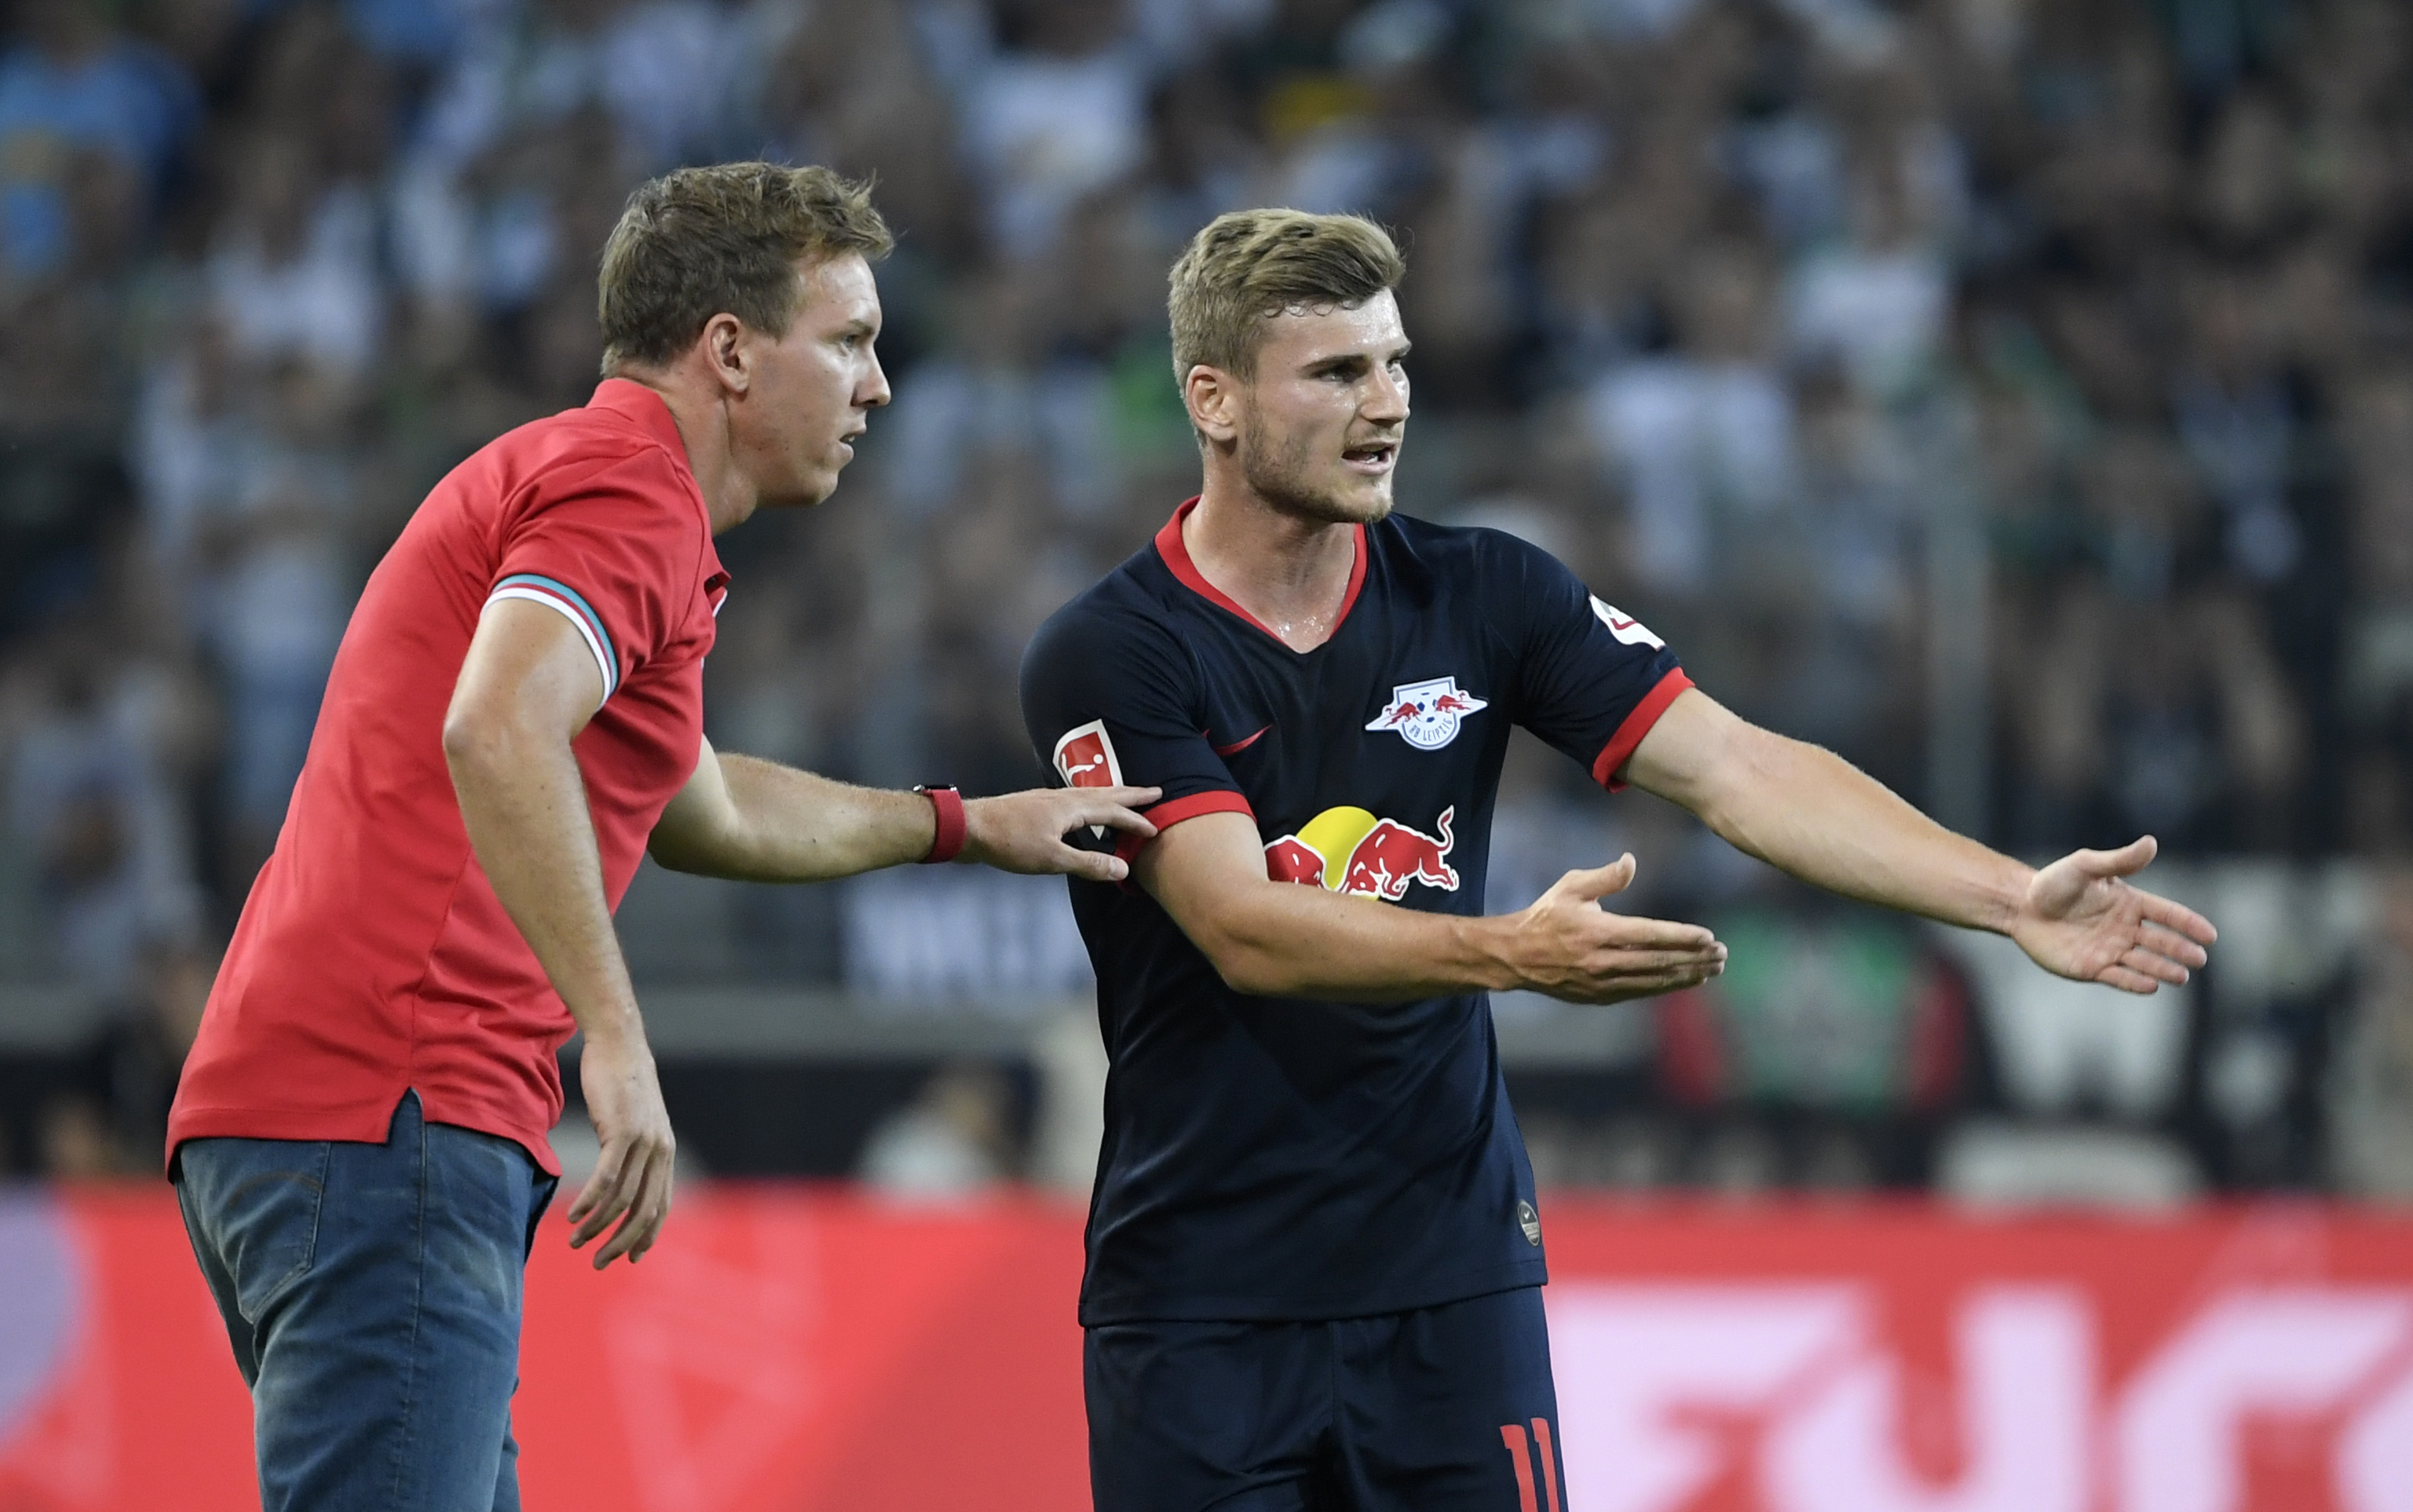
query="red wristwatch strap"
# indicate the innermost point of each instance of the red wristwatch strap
(948, 842)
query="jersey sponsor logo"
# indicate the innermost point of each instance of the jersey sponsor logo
(1625, 626)
(1531, 1222)
(1085, 757)
(1427, 713)
(1350, 851)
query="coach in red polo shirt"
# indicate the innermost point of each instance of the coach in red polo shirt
(515, 716)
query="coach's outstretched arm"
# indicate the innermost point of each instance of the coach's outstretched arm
(527, 686)
(1278, 939)
(753, 820)
(1808, 812)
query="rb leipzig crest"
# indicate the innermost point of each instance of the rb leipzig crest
(1427, 713)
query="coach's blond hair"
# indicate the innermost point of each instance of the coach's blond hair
(704, 240)
(1251, 265)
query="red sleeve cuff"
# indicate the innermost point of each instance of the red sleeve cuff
(1637, 723)
(1172, 811)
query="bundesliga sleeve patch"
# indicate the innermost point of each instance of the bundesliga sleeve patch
(1085, 757)
(1625, 626)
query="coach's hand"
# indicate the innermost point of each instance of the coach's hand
(632, 1182)
(1567, 946)
(1025, 831)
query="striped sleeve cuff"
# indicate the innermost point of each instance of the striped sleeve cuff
(564, 599)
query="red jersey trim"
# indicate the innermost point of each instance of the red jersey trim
(1176, 556)
(1636, 725)
(1239, 746)
(1166, 816)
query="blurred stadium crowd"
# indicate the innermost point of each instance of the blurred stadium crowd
(2026, 379)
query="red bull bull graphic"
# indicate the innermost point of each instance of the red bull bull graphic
(1350, 851)
(1427, 714)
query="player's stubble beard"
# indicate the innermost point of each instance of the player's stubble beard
(1280, 468)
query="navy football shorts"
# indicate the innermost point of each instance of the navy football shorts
(1444, 1409)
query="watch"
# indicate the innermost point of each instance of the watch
(948, 842)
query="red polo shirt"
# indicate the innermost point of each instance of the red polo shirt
(373, 957)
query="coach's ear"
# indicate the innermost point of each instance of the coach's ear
(727, 354)
(1212, 397)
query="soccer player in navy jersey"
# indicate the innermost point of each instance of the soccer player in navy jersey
(1314, 1247)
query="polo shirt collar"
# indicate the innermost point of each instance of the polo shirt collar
(644, 407)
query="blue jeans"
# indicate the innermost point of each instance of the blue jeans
(372, 1294)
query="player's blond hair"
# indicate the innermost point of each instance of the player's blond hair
(704, 240)
(1251, 265)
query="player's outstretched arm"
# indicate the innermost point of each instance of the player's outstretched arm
(757, 821)
(1279, 939)
(527, 686)
(1812, 813)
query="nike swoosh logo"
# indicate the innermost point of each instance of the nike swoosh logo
(1239, 747)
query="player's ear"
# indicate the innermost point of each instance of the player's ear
(1212, 397)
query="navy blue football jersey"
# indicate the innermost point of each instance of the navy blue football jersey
(1277, 1158)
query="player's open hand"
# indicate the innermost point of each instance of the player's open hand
(1568, 946)
(2082, 920)
(631, 1183)
(1025, 831)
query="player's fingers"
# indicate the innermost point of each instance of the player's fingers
(1129, 797)
(1620, 960)
(1682, 974)
(1625, 989)
(1599, 881)
(2129, 981)
(2164, 941)
(2149, 962)
(2178, 919)
(1633, 932)
(2128, 860)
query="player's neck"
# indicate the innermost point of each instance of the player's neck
(1292, 575)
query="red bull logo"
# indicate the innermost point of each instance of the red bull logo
(1350, 851)
(1427, 714)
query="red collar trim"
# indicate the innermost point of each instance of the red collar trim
(1176, 556)
(650, 412)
